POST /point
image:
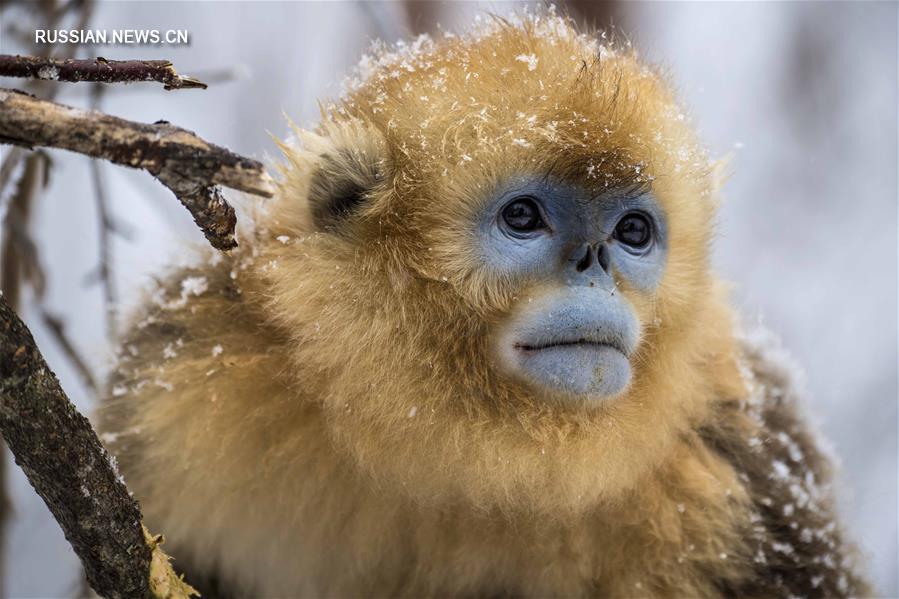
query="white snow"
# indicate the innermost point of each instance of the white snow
(48, 72)
(530, 59)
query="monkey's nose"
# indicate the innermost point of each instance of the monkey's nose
(586, 260)
(588, 254)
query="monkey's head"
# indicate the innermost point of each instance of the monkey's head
(497, 280)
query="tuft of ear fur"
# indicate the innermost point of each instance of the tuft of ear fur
(346, 161)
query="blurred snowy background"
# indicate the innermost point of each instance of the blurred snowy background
(804, 95)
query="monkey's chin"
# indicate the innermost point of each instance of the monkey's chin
(587, 372)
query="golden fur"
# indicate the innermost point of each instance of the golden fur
(350, 436)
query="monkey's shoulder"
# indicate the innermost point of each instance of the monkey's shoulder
(797, 545)
(199, 340)
(207, 311)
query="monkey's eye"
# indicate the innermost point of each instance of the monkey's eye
(522, 215)
(634, 230)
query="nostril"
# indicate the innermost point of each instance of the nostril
(602, 256)
(586, 261)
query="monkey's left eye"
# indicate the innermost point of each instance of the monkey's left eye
(522, 215)
(634, 230)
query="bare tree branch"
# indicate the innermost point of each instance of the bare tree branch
(58, 330)
(105, 274)
(18, 254)
(52, 12)
(189, 166)
(9, 165)
(98, 70)
(69, 468)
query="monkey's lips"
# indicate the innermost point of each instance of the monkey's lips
(592, 367)
(538, 346)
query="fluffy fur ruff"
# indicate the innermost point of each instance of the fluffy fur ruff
(319, 414)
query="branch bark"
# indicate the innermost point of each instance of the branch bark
(189, 166)
(98, 70)
(69, 468)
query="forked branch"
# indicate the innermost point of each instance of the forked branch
(188, 165)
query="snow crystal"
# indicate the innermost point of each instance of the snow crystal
(800, 495)
(163, 384)
(530, 59)
(48, 72)
(784, 548)
(781, 470)
(194, 286)
(109, 438)
(792, 448)
(190, 286)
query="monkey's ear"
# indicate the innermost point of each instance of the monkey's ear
(349, 166)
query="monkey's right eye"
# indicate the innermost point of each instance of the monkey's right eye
(522, 215)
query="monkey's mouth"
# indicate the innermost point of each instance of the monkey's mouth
(592, 367)
(581, 342)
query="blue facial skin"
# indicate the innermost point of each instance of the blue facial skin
(574, 334)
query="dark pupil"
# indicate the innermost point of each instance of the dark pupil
(522, 215)
(633, 230)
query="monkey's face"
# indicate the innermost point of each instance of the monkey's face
(539, 207)
(572, 331)
(501, 257)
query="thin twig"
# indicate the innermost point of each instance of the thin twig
(8, 168)
(57, 328)
(105, 274)
(53, 14)
(210, 76)
(69, 468)
(98, 70)
(19, 253)
(189, 166)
